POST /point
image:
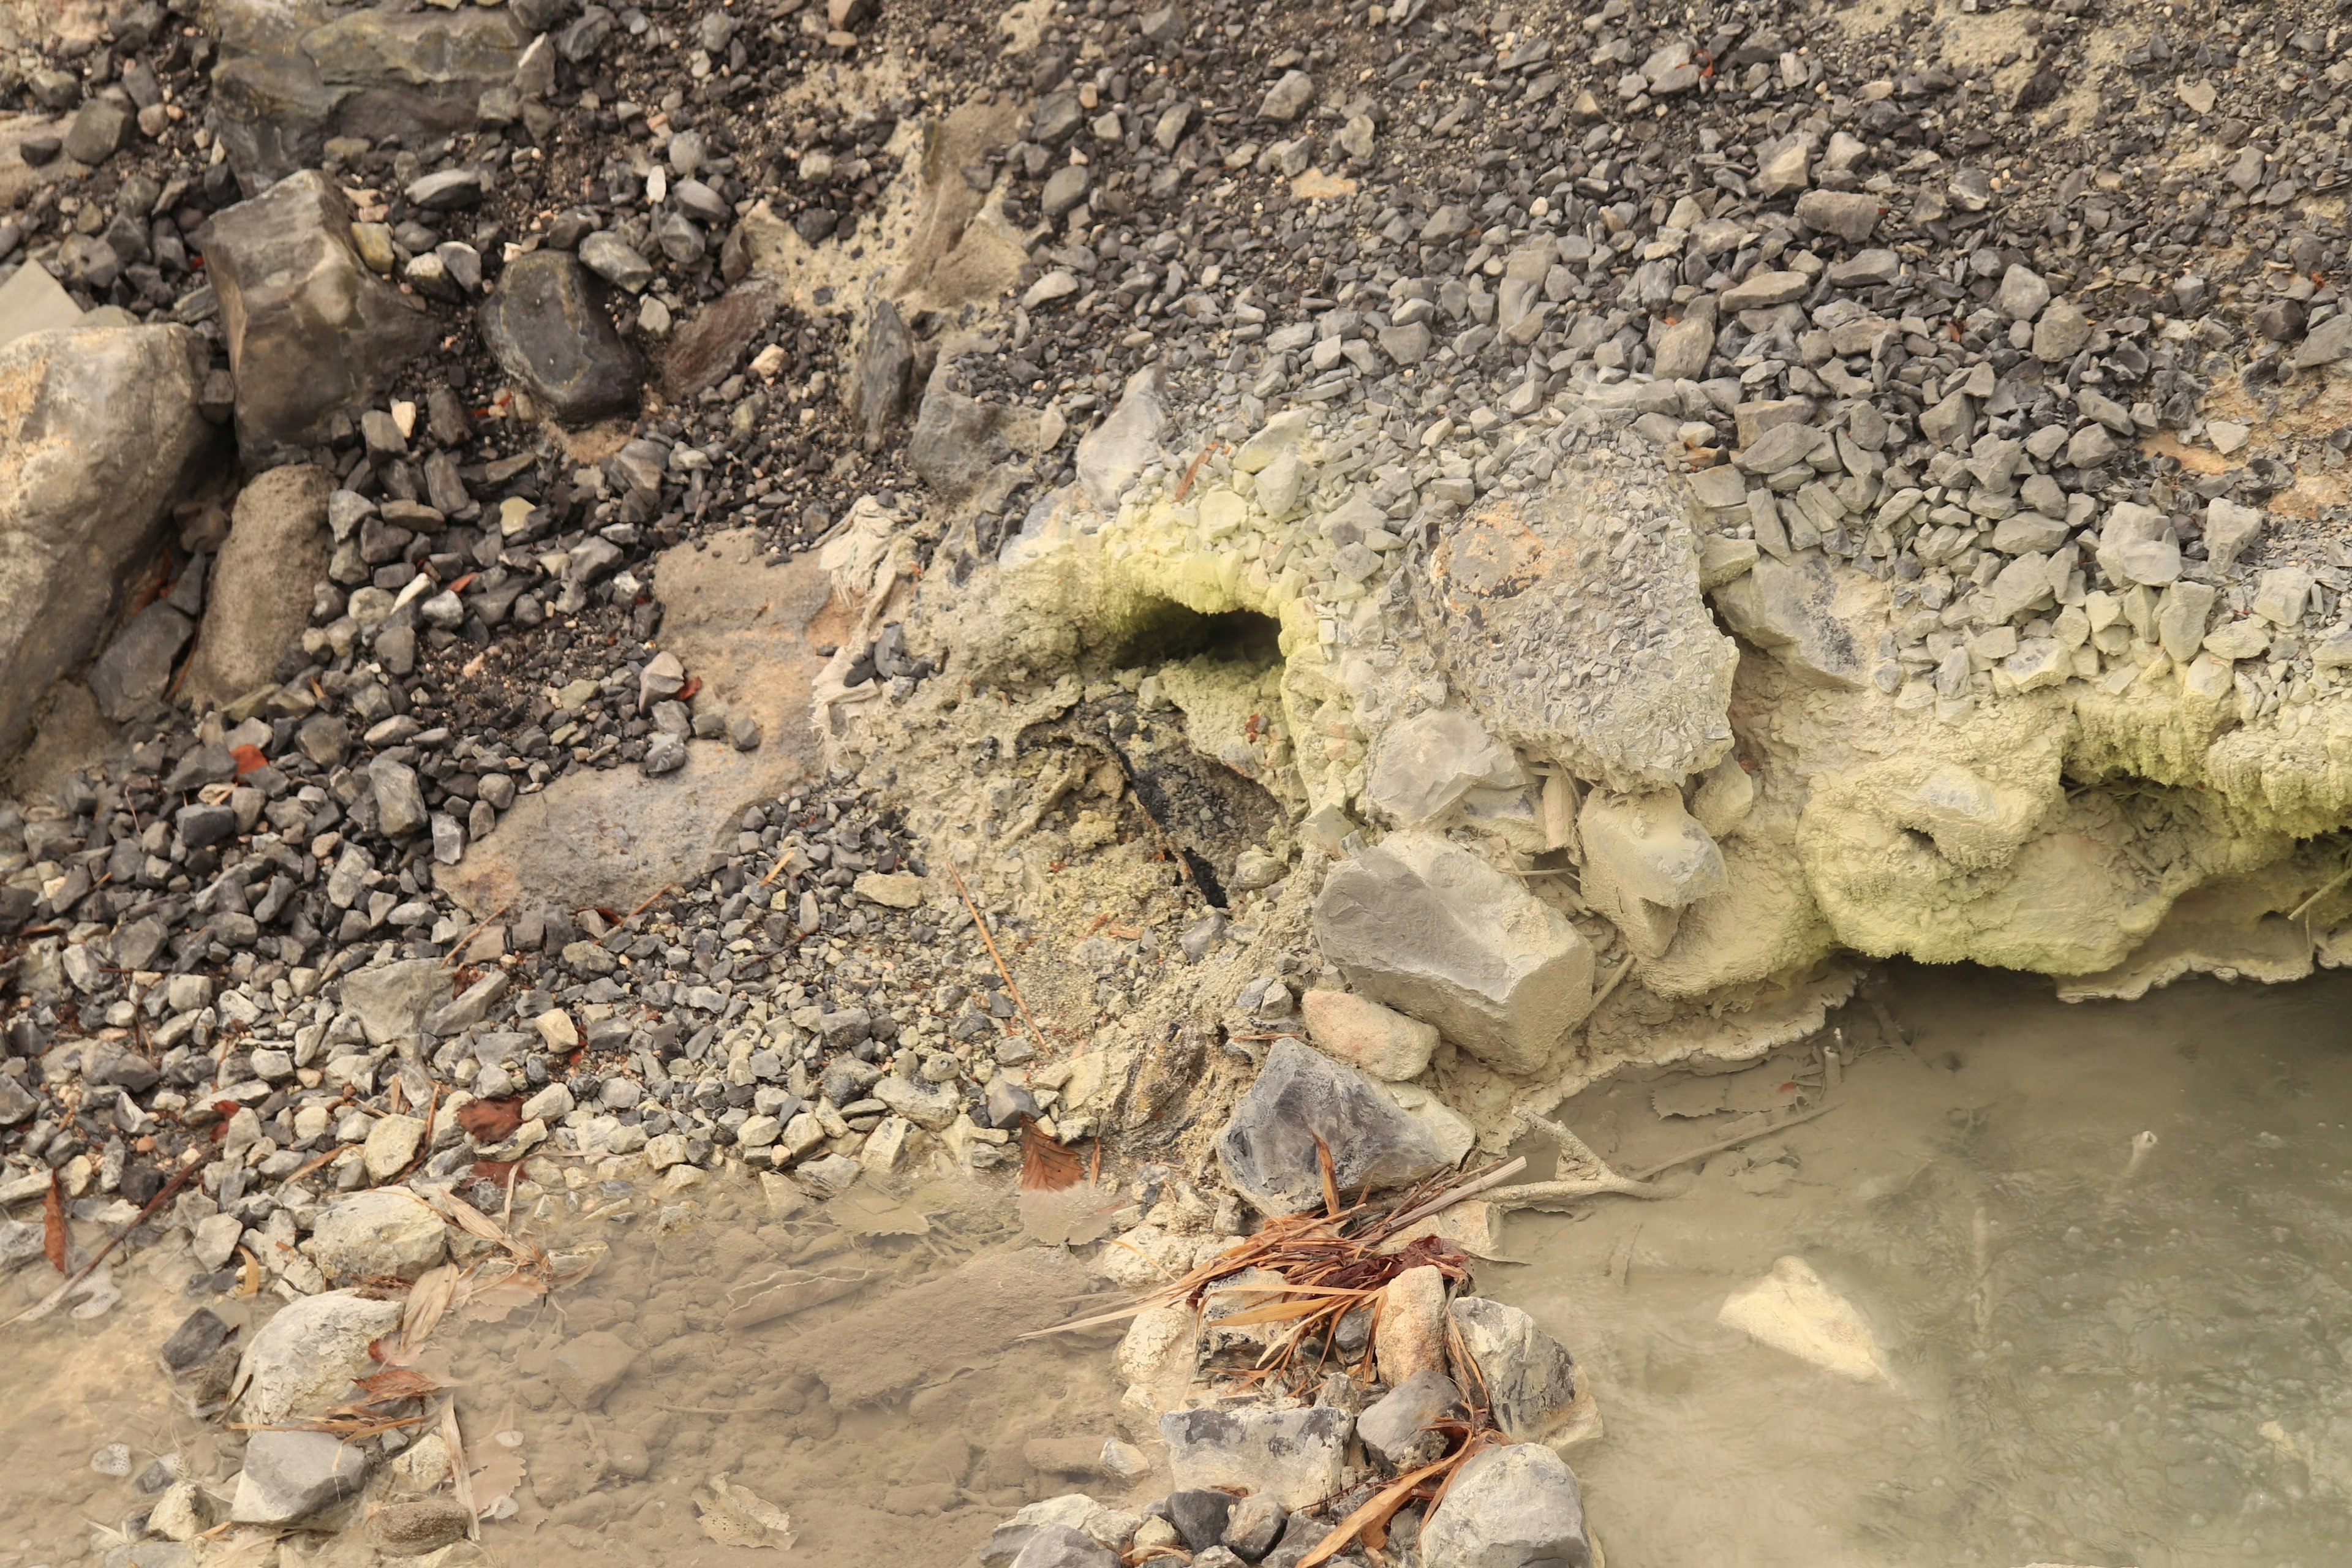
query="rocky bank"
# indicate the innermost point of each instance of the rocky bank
(799, 588)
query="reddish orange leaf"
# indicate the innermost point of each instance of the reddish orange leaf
(1047, 1166)
(400, 1382)
(247, 759)
(490, 1120)
(686, 693)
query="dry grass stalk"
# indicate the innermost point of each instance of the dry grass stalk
(1331, 1264)
(1002, 969)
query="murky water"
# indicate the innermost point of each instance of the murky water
(2087, 1367)
(897, 1418)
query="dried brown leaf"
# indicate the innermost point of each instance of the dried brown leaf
(1076, 1214)
(861, 1211)
(400, 1382)
(489, 1301)
(427, 1303)
(461, 1478)
(733, 1516)
(1047, 1166)
(502, 1468)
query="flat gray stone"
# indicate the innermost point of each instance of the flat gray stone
(2062, 332)
(390, 1001)
(2023, 294)
(1534, 1386)
(1115, 451)
(101, 128)
(1849, 215)
(33, 301)
(1761, 291)
(291, 1477)
(1288, 98)
(1788, 608)
(1431, 760)
(1396, 1428)
(1293, 1455)
(137, 665)
(546, 325)
(590, 1367)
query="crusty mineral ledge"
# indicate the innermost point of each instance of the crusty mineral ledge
(1534, 675)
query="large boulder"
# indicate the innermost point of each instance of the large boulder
(98, 428)
(1268, 1152)
(310, 331)
(304, 1360)
(291, 73)
(259, 596)
(1572, 619)
(1429, 929)
(545, 324)
(1508, 1508)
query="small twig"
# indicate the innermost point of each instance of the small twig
(1469, 1189)
(461, 1477)
(1733, 1142)
(1184, 486)
(423, 1145)
(1003, 969)
(2326, 887)
(1046, 803)
(1610, 989)
(658, 894)
(457, 948)
(171, 1190)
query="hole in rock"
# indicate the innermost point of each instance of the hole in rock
(1167, 630)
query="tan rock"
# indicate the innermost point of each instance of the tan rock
(259, 596)
(1411, 1333)
(1357, 1030)
(391, 1144)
